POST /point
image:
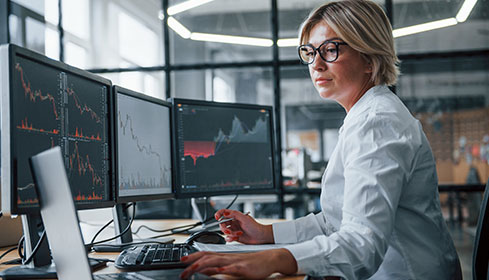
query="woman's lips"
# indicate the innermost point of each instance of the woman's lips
(323, 81)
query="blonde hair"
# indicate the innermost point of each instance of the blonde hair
(363, 25)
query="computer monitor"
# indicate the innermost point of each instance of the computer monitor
(46, 103)
(144, 147)
(223, 148)
(143, 157)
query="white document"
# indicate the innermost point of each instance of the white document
(236, 248)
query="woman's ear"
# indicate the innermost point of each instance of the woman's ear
(369, 68)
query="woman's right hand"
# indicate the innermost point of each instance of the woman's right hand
(244, 228)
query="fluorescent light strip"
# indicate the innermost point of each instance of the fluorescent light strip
(423, 27)
(179, 28)
(464, 12)
(227, 39)
(290, 42)
(187, 5)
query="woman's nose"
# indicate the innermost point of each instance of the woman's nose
(318, 64)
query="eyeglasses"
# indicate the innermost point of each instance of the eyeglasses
(328, 51)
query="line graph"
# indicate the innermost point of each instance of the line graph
(36, 94)
(82, 107)
(83, 166)
(223, 148)
(239, 133)
(144, 147)
(53, 106)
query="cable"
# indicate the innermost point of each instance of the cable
(173, 230)
(8, 251)
(100, 230)
(20, 246)
(36, 248)
(106, 225)
(90, 245)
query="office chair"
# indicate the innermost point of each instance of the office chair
(480, 258)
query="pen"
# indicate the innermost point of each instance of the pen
(228, 226)
(222, 217)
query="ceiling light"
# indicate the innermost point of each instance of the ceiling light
(291, 42)
(187, 5)
(179, 28)
(423, 27)
(227, 39)
(464, 12)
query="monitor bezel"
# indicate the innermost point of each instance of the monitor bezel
(115, 130)
(7, 124)
(178, 191)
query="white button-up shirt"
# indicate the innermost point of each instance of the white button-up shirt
(381, 216)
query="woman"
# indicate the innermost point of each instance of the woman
(381, 216)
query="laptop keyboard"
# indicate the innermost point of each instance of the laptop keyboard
(153, 256)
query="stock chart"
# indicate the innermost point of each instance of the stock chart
(224, 148)
(144, 147)
(51, 107)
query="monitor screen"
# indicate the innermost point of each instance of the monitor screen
(223, 148)
(46, 103)
(144, 146)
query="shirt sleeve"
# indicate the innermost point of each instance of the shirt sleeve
(301, 229)
(376, 157)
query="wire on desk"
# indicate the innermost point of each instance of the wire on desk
(90, 245)
(8, 251)
(174, 229)
(36, 248)
(20, 245)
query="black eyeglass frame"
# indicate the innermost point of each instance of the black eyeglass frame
(316, 50)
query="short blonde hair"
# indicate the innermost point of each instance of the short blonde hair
(363, 25)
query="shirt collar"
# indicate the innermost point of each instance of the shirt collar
(362, 103)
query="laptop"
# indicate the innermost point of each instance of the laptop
(62, 226)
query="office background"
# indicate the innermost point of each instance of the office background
(159, 48)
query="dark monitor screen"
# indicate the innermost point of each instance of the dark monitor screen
(46, 103)
(223, 148)
(144, 146)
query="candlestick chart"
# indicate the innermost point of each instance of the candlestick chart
(144, 147)
(224, 148)
(51, 107)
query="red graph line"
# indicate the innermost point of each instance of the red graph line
(93, 196)
(26, 126)
(84, 166)
(83, 108)
(37, 93)
(196, 149)
(27, 201)
(79, 134)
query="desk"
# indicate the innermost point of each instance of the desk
(155, 224)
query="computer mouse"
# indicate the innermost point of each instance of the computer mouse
(210, 237)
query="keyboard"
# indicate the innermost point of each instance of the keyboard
(120, 276)
(154, 256)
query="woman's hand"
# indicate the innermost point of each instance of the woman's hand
(246, 265)
(244, 228)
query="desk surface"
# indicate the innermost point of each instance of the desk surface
(89, 230)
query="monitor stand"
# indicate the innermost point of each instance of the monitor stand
(122, 218)
(202, 210)
(41, 266)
